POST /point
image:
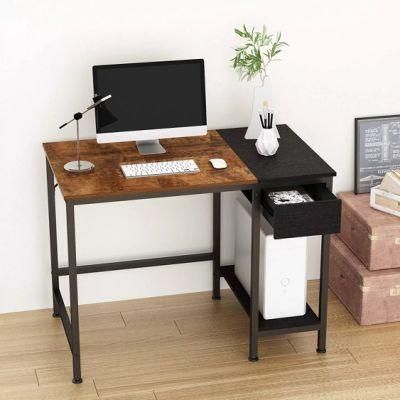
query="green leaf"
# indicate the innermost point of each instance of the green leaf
(238, 32)
(256, 52)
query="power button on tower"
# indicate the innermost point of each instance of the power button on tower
(285, 282)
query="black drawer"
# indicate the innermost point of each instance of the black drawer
(322, 216)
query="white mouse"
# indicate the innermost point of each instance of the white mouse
(218, 163)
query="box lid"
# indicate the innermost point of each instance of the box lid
(377, 222)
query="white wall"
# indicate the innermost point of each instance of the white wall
(343, 62)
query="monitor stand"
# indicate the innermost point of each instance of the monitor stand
(147, 147)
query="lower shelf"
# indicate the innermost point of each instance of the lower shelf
(307, 322)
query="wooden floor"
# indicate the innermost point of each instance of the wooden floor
(189, 347)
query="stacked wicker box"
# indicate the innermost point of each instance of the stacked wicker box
(365, 261)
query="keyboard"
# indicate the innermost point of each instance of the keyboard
(159, 168)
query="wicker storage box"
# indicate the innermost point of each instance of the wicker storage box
(373, 236)
(371, 297)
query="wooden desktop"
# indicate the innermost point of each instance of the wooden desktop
(107, 182)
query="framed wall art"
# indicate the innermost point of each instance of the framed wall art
(377, 148)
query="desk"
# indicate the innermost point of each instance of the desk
(295, 164)
(107, 184)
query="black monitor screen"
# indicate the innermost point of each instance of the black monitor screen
(150, 95)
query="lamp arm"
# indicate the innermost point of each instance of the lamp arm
(66, 123)
(78, 115)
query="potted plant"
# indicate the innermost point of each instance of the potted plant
(251, 61)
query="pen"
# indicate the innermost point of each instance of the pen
(262, 120)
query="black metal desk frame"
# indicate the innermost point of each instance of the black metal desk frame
(261, 327)
(322, 173)
(71, 325)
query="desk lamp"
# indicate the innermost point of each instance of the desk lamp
(79, 165)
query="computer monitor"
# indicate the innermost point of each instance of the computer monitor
(150, 101)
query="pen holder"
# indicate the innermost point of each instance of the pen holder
(267, 143)
(274, 129)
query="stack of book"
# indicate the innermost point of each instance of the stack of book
(365, 261)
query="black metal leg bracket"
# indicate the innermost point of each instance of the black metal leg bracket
(255, 272)
(216, 246)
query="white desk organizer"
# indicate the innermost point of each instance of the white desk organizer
(283, 272)
(254, 132)
(267, 144)
(385, 201)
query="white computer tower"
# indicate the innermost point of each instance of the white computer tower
(283, 272)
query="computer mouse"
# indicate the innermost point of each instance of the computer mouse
(218, 163)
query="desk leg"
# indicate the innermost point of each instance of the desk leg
(216, 246)
(323, 293)
(73, 292)
(255, 272)
(53, 235)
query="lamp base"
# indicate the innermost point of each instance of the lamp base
(79, 166)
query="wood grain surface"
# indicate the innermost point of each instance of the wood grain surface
(108, 182)
(153, 349)
(295, 162)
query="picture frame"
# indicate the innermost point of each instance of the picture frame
(377, 150)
